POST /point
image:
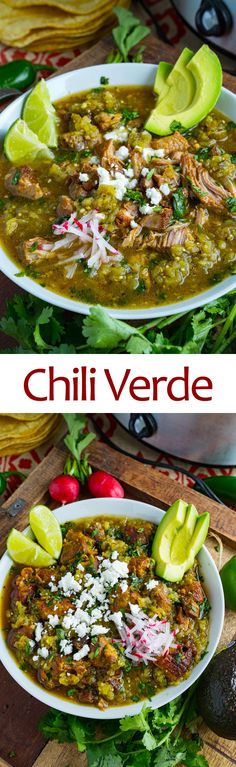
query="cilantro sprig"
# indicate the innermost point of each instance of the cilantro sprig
(129, 32)
(77, 441)
(165, 737)
(38, 328)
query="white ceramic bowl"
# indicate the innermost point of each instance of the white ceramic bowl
(73, 82)
(130, 509)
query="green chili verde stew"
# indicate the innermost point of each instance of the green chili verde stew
(98, 627)
(120, 217)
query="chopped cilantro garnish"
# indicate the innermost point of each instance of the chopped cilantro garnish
(16, 177)
(150, 173)
(231, 124)
(205, 608)
(2, 205)
(179, 204)
(141, 287)
(176, 126)
(132, 194)
(203, 153)
(128, 114)
(231, 204)
(104, 80)
(33, 247)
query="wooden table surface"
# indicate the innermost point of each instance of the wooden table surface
(155, 51)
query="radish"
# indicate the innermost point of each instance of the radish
(64, 488)
(103, 485)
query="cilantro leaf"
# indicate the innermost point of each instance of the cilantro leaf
(137, 722)
(77, 442)
(103, 331)
(179, 204)
(104, 755)
(129, 33)
(231, 204)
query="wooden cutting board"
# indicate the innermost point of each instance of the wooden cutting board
(21, 745)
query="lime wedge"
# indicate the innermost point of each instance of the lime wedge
(40, 115)
(46, 529)
(27, 552)
(22, 145)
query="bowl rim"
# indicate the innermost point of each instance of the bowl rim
(131, 509)
(9, 268)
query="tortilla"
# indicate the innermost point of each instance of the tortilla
(86, 7)
(21, 27)
(23, 432)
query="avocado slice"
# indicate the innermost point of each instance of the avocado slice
(178, 539)
(216, 697)
(193, 91)
(180, 83)
(163, 70)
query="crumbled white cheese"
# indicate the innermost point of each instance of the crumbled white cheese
(144, 172)
(80, 567)
(148, 152)
(117, 618)
(94, 160)
(31, 643)
(98, 629)
(165, 189)
(124, 586)
(120, 184)
(114, 555)
(151, 584)
(133, 224)
(129, 172)
(38, 631)
(53, 620)
(122, 153)
(69, 585)
(133, 183)
(146, 208)
(52, 586)
(119, 134)
(43, 651)
(96, 614)
(83, 176)
(81, 653)
(81, 630)
(66, 647)
(134, 609)
(35, 658)
(154, 195)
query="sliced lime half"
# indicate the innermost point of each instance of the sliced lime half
(40, 115)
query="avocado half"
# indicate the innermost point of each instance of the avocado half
(190, 91)
(178, 539)
(216, 693)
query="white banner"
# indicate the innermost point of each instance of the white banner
(118, 383)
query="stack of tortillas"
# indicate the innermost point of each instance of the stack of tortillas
(21, 432)
(53, 25)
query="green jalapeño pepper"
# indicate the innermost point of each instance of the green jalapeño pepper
(228, 577)
(20, 73)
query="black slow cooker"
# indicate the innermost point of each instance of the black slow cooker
(213, 20)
